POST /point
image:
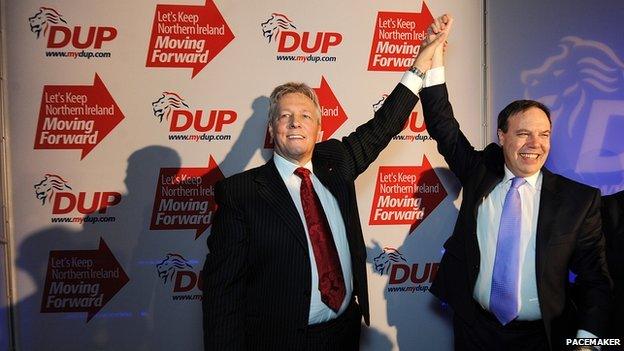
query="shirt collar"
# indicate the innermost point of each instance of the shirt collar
(533, 180)
(286, 168)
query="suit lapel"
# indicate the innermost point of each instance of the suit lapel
(549, 203)
(493, 174)
(273, 190)
(473, 255)
(331, 180)
(489, 182)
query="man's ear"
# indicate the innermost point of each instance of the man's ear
(271, 131)
(501, 136)
(319, 136)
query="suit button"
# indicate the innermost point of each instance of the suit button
(476, 267)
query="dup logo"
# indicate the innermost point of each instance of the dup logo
(404, 276)
(70, 41)
(583, 84)
(296, 45)
(204, 125)
(384, 261)
(177, 272)
(48, 186)
(55, 190)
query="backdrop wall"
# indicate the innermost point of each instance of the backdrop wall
(110, 102)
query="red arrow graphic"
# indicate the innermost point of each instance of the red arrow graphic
(333, 116)
(82, 280)
(406, 195)
(397, 38)
(76, 117)
(187, 36)
(184, 198)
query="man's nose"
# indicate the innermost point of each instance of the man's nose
(532, 141)
(295, 121)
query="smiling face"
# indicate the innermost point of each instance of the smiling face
(295, 128)
(527, 141)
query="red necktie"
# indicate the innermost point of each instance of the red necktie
(331, 280)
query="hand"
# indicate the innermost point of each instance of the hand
(432, 49)
(436, 27)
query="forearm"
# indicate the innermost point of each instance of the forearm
(368, 140)
(445, 130)
(365, 144)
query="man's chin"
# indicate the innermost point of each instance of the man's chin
(527, 172)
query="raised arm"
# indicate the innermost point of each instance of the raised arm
(438, 112)
(368, 140)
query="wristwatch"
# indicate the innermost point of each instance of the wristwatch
(417, 72)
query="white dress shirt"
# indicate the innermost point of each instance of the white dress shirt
(319, 312)
(488, 221)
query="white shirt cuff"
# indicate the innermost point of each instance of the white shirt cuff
(412, 82)
(434, 76)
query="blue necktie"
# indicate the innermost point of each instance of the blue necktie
(505, 278)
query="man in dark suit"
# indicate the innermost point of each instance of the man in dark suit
(286, 264)
(520, 229)
(613, 228)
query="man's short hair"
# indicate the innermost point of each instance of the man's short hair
(519, 106)
(289, 88)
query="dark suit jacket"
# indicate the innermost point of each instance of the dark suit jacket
(256, 278)
(568, 231)
(613, 228)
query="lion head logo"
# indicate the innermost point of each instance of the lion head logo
(386, 258)
(42, 20)
(166, 104)
(276, 23)
(583, 84)
(170, 265)
(45, 189)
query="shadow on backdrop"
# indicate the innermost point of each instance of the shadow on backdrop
(122, 323)
(410, 269)
(142, 315)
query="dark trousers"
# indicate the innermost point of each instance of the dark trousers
(487, 334)
(342, 333)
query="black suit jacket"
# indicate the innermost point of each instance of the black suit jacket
(256, 278)
(613, 228)
(568, 231)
